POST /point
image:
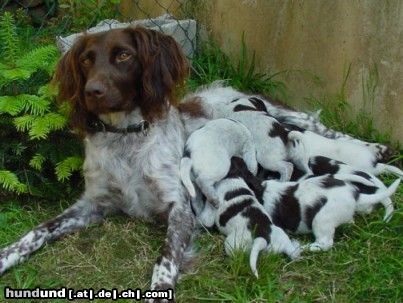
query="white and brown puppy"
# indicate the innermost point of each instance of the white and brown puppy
(246, 224)
(347, 151)
(208, 154)
(322, 165)
(219, 101)
(319, 204)
(276, 150)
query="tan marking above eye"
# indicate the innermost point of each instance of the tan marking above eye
(123, 56)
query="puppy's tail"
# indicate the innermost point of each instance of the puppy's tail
(386, 168)
(387, 203)
(185, 171)
(259, 244)
(371, 199)
(354, 178)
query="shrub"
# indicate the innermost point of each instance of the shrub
(36, 150)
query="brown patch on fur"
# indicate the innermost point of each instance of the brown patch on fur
(193, 107)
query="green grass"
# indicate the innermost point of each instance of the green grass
(211, 64)
(365, 264)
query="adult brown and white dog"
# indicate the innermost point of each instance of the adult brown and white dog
(121, 85)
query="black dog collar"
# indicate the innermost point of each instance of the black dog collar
(100, 126)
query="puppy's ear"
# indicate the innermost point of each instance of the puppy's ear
(71, 81)
(164, 70)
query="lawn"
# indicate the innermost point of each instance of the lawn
(365, 265)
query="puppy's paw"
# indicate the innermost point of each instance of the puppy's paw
(297, 250)
(312, 247)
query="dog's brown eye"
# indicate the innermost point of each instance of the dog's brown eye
(86, 61)
(123, 56)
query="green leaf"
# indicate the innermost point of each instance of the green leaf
(37, 161)
(9, 181)
(33, 104)
(42, 126)
(44, 58)
(65, 168)
(24, 123)
(8, 75)
(8, 38)
(12, 105)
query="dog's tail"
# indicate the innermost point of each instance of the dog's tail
(380, 196)
(387, 203)
(259, 244)
(185, 171)
(386, 168)
(354, 178)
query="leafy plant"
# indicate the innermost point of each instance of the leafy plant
(211, 64)
(337, 112)
(32, 127)
(83, 14)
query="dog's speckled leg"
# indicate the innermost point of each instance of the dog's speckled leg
(181, 223)
(79, 215)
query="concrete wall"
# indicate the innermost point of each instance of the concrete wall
(318, 38)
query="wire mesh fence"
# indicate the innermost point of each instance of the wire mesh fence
(42, 20)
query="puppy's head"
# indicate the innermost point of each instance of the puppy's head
(120, 70)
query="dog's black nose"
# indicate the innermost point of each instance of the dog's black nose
(95, 89)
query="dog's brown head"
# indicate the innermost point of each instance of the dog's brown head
(120, 70)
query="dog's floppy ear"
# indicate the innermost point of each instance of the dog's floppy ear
(164, 70)
(71, 82)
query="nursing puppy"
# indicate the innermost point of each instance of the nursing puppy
(208, 154)
(347, 151)
(319, 204)
(275, 148)
(218, 101)
(322, 165)
(246, 224)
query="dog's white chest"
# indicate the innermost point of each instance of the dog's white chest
(113, 168)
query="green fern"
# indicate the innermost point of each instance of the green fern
(8, 38)
(9, 181)
(41, 126)
(37, 161)
(44, 58)
(34, 140)
(24, 123)
(65, 168)
(14, 105)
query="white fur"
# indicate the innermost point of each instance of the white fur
(238, 230)
(339, 207)
(271, 152)
(216, 100)
(319, 165)
(347, 151)
(211, 149)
